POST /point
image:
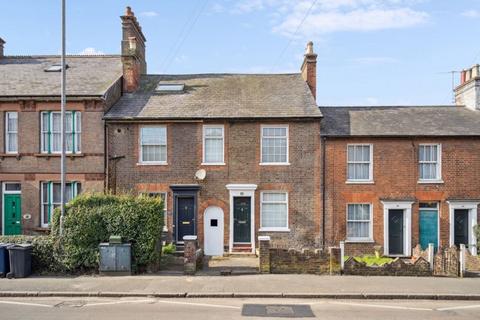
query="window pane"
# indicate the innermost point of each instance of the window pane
(274, 150)
(45, 121)
(12, 143)
(13, 187)
(56, 142)
(213, 150)
(68, 122)
(56, 193)
(12, 121)
(358, 229)
(56, 121)
(213, 132)
(154, 153)
(274, 197)
(154, 136)
(45, 192)
(274, 215)
(358, 221)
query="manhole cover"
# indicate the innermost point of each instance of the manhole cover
(277, 310)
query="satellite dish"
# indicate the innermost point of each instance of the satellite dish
(200, 174)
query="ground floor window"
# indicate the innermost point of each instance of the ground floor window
(359, 222)
(51, 198)
(274, 211)
(163, 197)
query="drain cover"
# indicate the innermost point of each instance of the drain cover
(277, 310)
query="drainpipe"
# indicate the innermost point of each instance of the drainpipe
(324, 188)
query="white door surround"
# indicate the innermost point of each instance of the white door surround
(213, 231)
(406, 206)
(242, 190)
(471, 206)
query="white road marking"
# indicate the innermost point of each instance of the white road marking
(381, 306)
(117, 302)
(459, 307)
(200, 304)
(27, 304)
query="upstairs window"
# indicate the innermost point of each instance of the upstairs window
(51, 132)
(11, 132)
(51, 198)
(359, 161)
(429, 157)
(274, 145)
(213, 144)
(153, 145)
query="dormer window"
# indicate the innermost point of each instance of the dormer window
(170, 88)
(55, 68)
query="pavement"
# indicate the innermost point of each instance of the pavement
(243, 286)
(231, 308)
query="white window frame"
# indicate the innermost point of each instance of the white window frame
(50, 200)
(438, 178)
(278, 229)
(140, 146)
(279, 126)
(406, 206)
(370, 227)
(213, 126)
(8, 132)
(77, 133)
(370, 167)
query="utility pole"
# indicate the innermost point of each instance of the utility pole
(62, 121)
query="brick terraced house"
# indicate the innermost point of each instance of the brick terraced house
(30, 137)
(401, 176)
(233, 155)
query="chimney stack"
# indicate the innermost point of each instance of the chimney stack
(309, 69)
(2, 42)
(133, 51)
(467, 93)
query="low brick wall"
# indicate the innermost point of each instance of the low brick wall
(292, 261)
(418, 268)
(472, 263)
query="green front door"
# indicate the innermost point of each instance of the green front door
(12, 210)
(241, 220)
(428, 228)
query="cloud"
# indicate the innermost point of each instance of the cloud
(471, 14)
(149, 14)
(90, 51)
(328, 16)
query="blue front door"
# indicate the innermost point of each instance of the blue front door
(428, 228)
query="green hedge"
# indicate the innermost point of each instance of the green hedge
(91, 218)
(43, 259)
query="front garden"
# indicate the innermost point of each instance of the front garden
(91, 219)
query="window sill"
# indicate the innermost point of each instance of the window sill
(430, 181)
(10, 155)
(360, 182)
(274, 163)
(152, 164)
(359, 241)
(212, 164)
(58, 155)
(274, 230)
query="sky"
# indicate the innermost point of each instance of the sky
(370, 52)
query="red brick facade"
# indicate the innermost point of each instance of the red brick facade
(30, 167)
(301, 179)
(395, 178)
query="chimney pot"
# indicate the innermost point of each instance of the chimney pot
(309, 49)
(2, 42)
(129, 12)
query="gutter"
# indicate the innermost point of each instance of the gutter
(324, 188)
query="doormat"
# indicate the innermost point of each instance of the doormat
(277, 310)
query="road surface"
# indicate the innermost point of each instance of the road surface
(199, 309)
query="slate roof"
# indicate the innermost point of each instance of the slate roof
(86, 75)
(400, 121)
(214, 96)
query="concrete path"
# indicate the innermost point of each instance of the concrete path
(249, 285)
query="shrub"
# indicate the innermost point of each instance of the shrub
(43, 259)
(169, 249)
(92, 218)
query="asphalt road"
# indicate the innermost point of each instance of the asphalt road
(129, 308)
